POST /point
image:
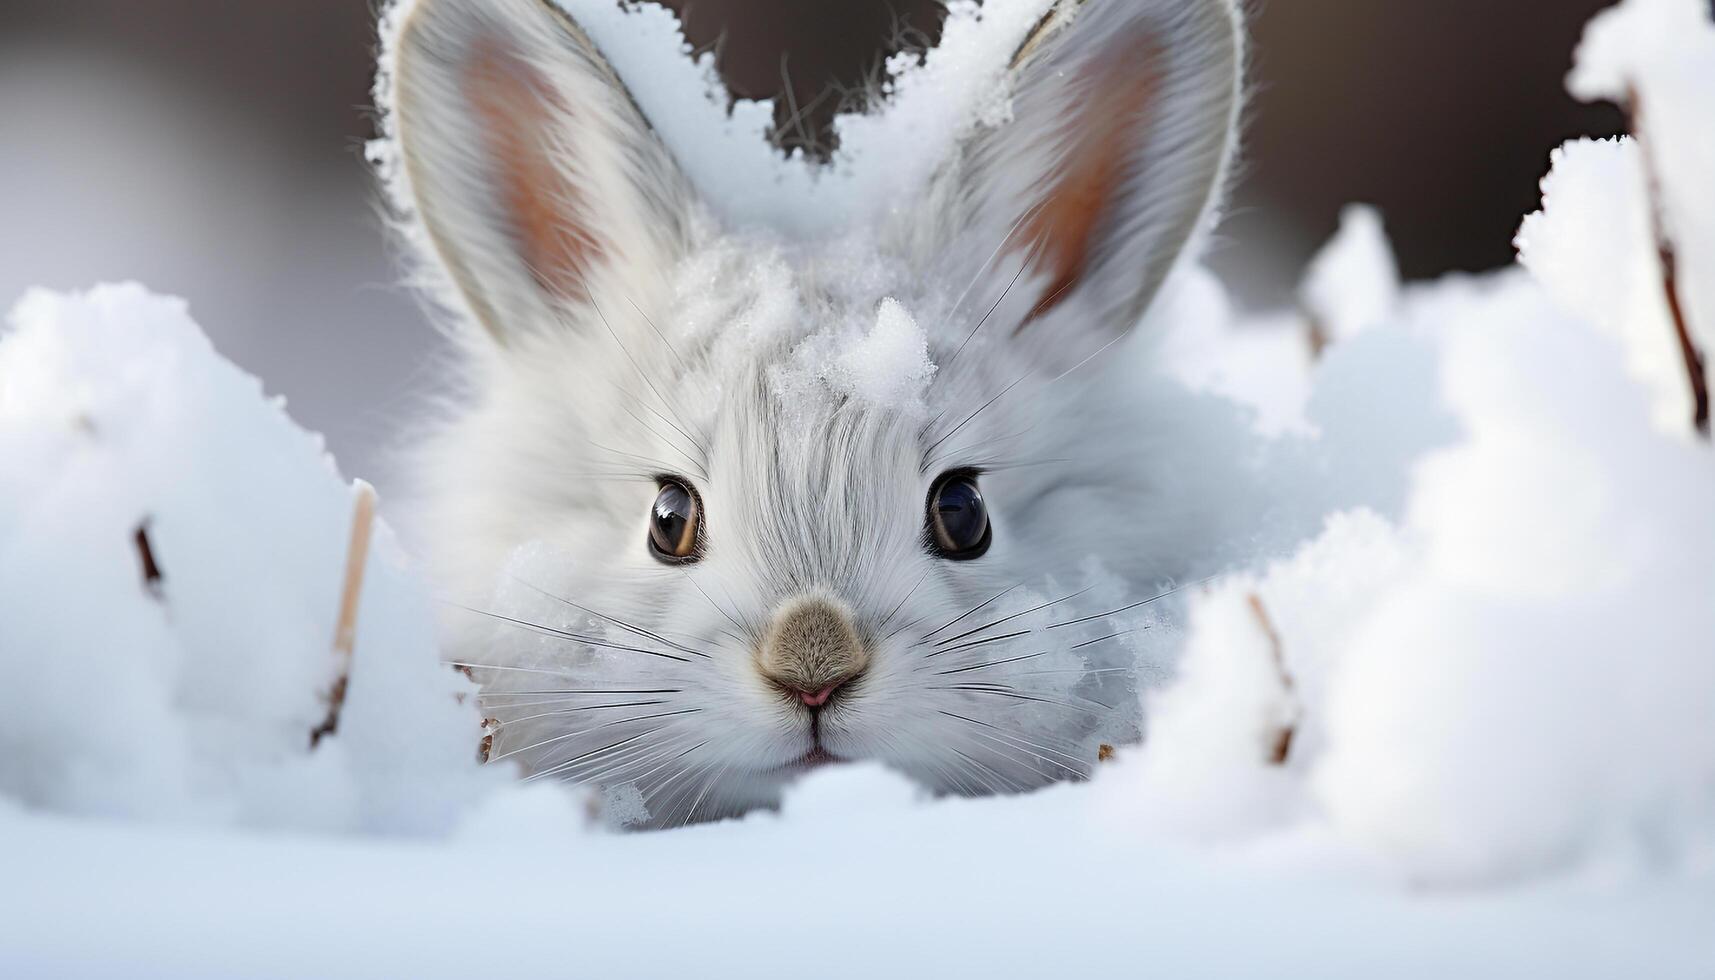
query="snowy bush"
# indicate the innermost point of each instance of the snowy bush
(1450, 709)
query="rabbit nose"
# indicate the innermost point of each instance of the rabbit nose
(812, 649)
(815, 699)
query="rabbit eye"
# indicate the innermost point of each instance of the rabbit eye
(958, 518)
(673, 523)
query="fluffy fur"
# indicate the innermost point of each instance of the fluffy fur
(613, 334)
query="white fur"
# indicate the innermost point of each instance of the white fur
(691, 356)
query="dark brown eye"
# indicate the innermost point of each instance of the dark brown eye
(958, 518)
(673, 524)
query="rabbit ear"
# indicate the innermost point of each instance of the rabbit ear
(1123, 121)
(536, 180)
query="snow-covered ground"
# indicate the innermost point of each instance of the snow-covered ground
(1453, 716)
(853, 880)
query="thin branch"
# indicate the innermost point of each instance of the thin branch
(345, 630)
(146, 557)
(1668, 257)
(1280, 747)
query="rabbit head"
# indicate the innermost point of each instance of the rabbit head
(734, 504)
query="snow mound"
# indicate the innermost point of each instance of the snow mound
(1655, 58)
(1516, 674)
(1513, 679)
(173, 556)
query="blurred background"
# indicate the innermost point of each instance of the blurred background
(211, 149)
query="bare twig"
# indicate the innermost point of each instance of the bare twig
(1668, 258)
(345, 630)
(1316, 335)
(485, 748)
(146, 557)
(1280, 747)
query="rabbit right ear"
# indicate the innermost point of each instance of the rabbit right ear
(540, 188)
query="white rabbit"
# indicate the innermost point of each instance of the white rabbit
(763, 558)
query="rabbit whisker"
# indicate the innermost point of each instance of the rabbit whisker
(992, 663)
(711, 601)
(485, 695)
(664, 341)
(708, 784)
(589, 641)
(611, 765)
(471, 665)
(1128, 608)
(1018, 740)
(655, 464)
(656, 757)
(1005, 691)
(666, 439)
(668, 805)
(566, 711)
(999, 785)
(902, 601)
(972, 644)
(1008, 619)
(602, 727)
(929, 454)
(1102, 639)
(995, 306)
(622, 624)
(593, 753)
(602, 315)
(982, 271)
(972, 611)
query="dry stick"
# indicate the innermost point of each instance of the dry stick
(146, 557)
(1282, 747)
(345, 631)
(1316, 334)
(485, 748)
(1669, 259)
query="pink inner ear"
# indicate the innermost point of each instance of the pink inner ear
(516, 109)
(1116, 95)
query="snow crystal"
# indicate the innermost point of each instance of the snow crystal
(889, 365)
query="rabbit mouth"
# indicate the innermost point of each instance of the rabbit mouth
(814, 759)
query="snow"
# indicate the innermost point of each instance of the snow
(1654, 57)
(193, 700)
(1449, 715)
(890, 365)
(986, 888)
(932, 101)
(1354, 282)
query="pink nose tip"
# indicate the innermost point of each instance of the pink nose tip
(816, 699)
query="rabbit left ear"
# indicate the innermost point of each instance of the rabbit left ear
(536, 179)
(1123, 122)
